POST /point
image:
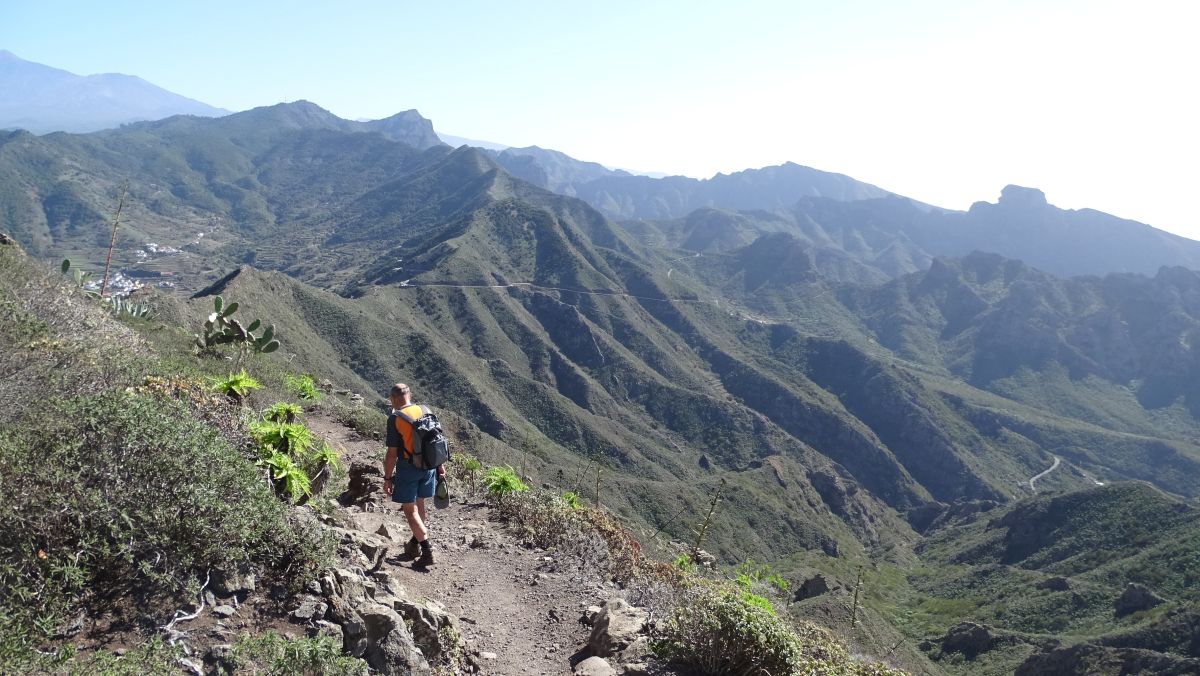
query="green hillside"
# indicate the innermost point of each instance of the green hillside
(865, 407)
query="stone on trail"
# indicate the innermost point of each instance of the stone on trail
(617, 625)
(594, 666)
(390, 646)
(226, 583)
(224, 611)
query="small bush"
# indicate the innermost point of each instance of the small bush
(465, 470)
(277, 655)
(282, 412)
(295, 459)
(237, 386)
(303, 387)
(571, 500)
(502, 482)
(720, 631)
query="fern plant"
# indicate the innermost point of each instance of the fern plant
(303, 386)
(287, 476)
(502, 482)
(282, 412)
(571, 500)
(292, 438)
(237, 385)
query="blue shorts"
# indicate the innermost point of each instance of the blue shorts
(410, 483)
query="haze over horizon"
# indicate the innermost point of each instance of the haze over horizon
(939, 101)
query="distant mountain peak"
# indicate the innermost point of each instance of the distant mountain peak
(1017, 196)
(42, 99)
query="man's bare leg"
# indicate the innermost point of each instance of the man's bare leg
(415, 513)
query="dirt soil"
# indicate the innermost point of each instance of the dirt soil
(520, 609)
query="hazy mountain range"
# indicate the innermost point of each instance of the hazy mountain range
(876, 381)
(42, 99)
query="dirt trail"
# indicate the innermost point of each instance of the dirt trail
(519, 608)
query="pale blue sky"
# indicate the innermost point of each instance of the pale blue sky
(1093, 101)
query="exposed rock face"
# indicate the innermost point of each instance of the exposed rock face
(434, 630)
(371, 627)
(617, 626)
(1017, 196)
(5, 240)
(1136, 597)
(968, 638)
(365, 480)
(390, 646)
(1055, 584)
(813, 586)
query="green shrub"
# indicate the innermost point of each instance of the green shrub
(290, 438)
(273, 654)
(282, 412)
(571, 500)
(684, 563)
(502, 482)
(721, 631)
(465, 470)
(237, 386)
(297, 462)
(303, 387)
(288, 477)
(107, 494)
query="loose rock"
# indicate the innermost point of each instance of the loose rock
(594, 666)
(617, 625)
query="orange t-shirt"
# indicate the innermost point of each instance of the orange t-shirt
(404, 429)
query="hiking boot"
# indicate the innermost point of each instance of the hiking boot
(411, 549)
(426, 556)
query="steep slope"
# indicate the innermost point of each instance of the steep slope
(515, 364)
(1113, 566)
(42, 99)
(1016, 330)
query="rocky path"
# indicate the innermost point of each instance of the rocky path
(519, 608)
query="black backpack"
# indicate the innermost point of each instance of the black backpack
(430, 447)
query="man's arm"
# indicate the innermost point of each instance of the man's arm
(393, 441)
(389, 465)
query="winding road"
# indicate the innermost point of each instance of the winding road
(1035, 477)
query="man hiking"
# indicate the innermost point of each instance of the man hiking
(403, 480)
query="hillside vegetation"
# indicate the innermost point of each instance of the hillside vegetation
(863, 405)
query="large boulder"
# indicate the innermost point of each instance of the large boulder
(434, 630)
(967, 638)
(616, 627)
(1136, 597)
(390, 647)
(594, 666)
(813, 586)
